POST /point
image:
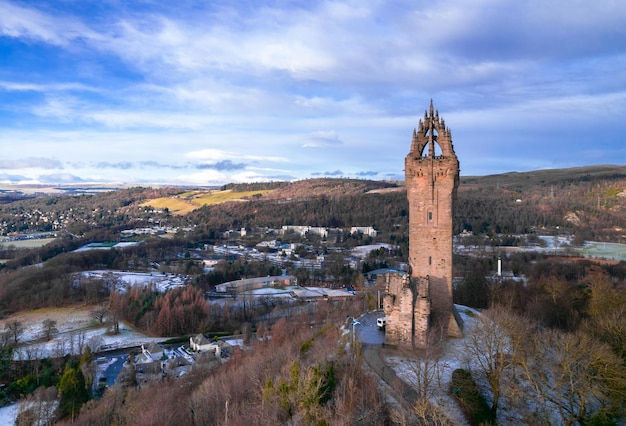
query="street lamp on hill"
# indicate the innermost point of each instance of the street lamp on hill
(354, 324)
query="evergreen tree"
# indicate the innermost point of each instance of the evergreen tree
(73, 392)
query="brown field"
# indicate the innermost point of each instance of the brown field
(585, 259)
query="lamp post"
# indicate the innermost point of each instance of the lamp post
(354, 324)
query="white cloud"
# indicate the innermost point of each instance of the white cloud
(31, 24)
(253, 83)
(215, 155)
(44, 88)
(321, 139)
(205, 177)
(210, 154)
(30, 162)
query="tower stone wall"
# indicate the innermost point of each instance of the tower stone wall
(407, 307)
(431, 180)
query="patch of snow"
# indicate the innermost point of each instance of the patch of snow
(364, 251)
(104, 246)
(597, 249)
(453, 358)
(269, 291)
(235, 342)
(119, 280)
(555, 242)
(8, 414)
(102, 364)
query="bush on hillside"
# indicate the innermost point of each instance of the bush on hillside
(472, 403)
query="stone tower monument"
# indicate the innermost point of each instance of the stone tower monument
(415, 303)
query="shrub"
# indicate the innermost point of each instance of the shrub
(474, 405)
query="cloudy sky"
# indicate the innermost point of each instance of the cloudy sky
(216, 91)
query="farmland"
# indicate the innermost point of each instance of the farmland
(189, 201)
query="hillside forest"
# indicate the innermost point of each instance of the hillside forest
(301, 375)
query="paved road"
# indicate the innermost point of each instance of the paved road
(113, 370)
(374, 350)
(368, 332)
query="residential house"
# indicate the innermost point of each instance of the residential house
(199, 343)
(177, 366)
(221, 349)
(153, 350)
(146, 365)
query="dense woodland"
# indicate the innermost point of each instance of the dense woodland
(300, 376)
(587, 201)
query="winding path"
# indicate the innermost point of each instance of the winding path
(403, 392)
(372, 341)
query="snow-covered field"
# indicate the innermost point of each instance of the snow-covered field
(105, 246)
(75, 328)
(119, 280)
(596, 249)
(294, 293)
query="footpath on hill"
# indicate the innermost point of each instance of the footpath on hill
(372, 342)
(405, 395)
(397, 373)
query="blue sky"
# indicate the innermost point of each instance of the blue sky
(210, 92)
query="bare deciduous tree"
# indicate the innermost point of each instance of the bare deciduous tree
(15, 329)
(75, 342)
(427, 371)
(5, 339)
(574, 375)
(423, 412)
(40, 408)
(493, 343)
(113, 322)
(429, 414)
(99, 313)
(607, 314)
(49, 328)
(95, 342)
(61, 346)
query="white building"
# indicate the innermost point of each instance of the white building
(365, 230)
(303, 230)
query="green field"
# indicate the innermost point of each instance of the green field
(604, 250)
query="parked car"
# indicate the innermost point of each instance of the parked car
(381, 322)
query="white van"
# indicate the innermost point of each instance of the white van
(381, 322)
